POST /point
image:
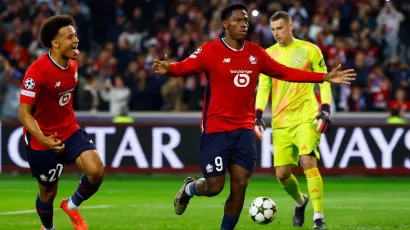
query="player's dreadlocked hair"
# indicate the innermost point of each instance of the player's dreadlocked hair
(227, 10)
(51, 26)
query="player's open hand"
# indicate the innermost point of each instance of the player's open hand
(338, 76)
(161, 67)
(53, 143)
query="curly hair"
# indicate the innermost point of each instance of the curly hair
(49, 29)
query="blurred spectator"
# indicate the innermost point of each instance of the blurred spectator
(299, 14)
(117, 95)
(315, 28)
(12, 95)
(400, 102)
(358, 101)
(172, 92)
(398, 73)
(362, 71)
(389, 20)
(380, 87)
(89, 96)
(194, 92)
(145, 92)
(114, 30)
(123, 54)
(264, 31)
(370, 52)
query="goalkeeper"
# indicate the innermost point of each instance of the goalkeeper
(296, 124)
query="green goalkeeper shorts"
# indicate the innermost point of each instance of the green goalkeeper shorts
(291, 142)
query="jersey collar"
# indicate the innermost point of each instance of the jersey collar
(55, 63)
(227, 46)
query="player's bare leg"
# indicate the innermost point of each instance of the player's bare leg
(289, 182)
(202, 187)
(315, 186)
(44, 205)
(234, 204)
(90, 163)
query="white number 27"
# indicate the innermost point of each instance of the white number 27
(58, 170)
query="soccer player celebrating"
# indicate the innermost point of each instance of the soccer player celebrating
(296, 125)
(51, 132)
(228, 140)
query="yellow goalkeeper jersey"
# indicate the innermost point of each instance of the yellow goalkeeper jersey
(293, 103)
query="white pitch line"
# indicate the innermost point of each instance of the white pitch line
(56, 209)
(162, 205)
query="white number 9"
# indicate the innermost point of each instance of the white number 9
(219, 164)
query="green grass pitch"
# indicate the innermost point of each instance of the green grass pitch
(146, 202)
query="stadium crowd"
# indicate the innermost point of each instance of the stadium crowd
(120, 38)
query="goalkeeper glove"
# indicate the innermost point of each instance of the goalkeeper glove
(259, 125)
(324, 124)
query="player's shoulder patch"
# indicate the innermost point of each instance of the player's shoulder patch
(29, 83)
(199, 50)
(33, 76)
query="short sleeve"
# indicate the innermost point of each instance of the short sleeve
(30, 87)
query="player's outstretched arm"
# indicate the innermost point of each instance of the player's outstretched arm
(28, 121)
(192, 64)
(274, 69)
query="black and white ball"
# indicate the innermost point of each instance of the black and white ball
(263, 210)
(29, 83)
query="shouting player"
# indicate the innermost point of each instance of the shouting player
(52, 134)
(296, 125)
(228, 141)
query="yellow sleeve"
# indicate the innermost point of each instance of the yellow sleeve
(264, 88)
(319, 66)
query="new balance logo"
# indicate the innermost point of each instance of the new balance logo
(304, 148)
(314, 190)
(226, 60)
(58, 84)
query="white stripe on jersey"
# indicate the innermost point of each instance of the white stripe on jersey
(28, 93)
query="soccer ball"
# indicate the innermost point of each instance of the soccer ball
(263, 210)
(29, 83)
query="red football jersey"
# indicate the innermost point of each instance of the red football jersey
(402, 106)
(232, 79)
(49, 88)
